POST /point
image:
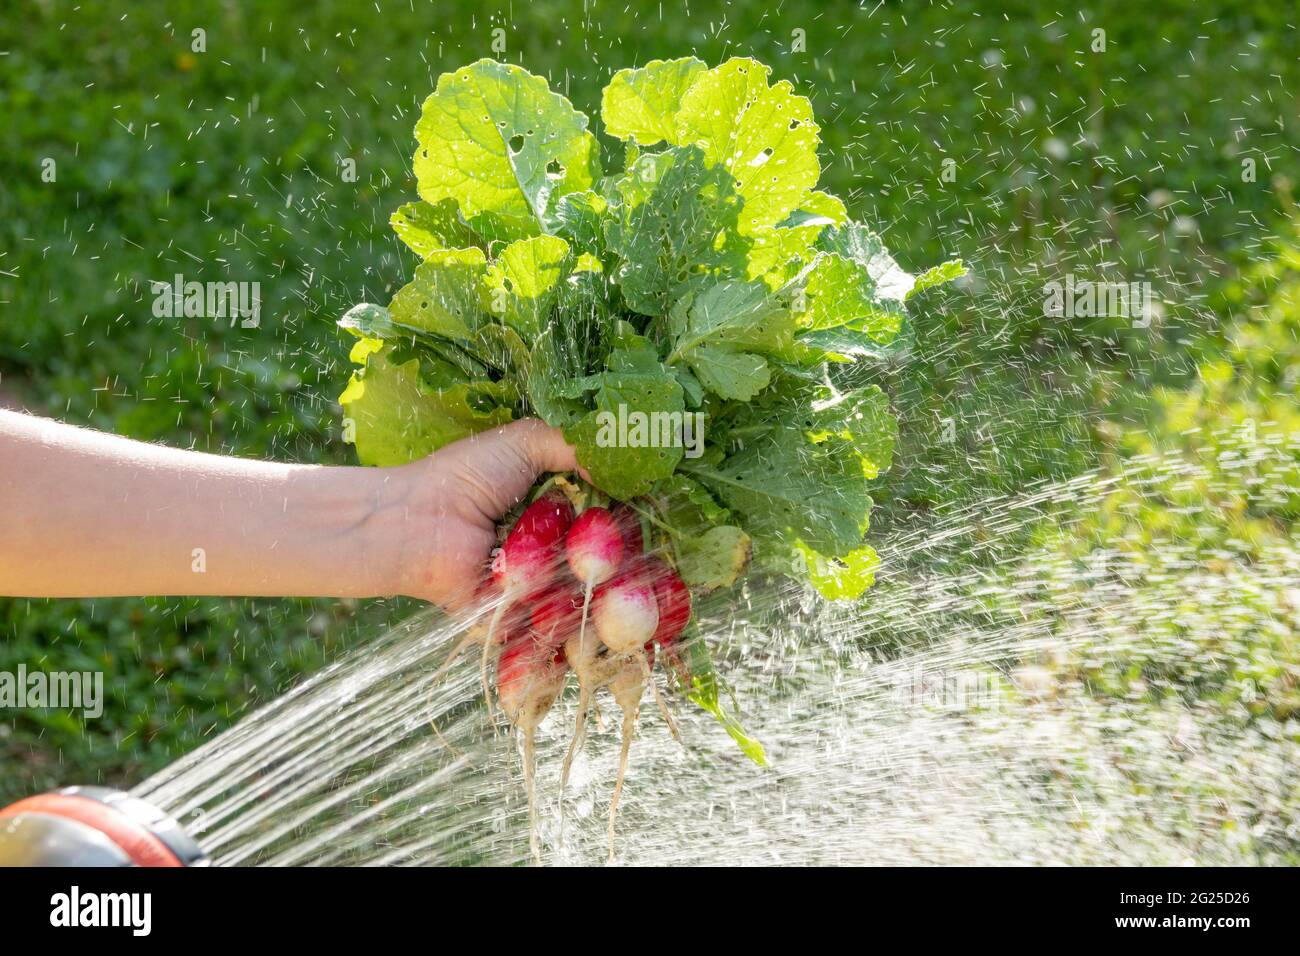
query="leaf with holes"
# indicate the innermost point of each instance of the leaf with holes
(675, 223)
(764, 136)
(726, 334)
(495, 139)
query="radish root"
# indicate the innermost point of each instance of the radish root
(586, 606)
(662, 704)
(629, 725)
(579, 736)
(530, 787)
(483, 660)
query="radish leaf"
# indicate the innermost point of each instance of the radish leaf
(495, 138)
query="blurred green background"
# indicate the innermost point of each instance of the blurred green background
(1124, 163)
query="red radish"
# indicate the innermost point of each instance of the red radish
(628, 618)
(530, 676)
(625, 612)
(526, 562)
(629, 526)
(556, 614)
(674, 600)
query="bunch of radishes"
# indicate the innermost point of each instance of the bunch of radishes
(557, 568)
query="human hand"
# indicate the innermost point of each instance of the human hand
(440, 513)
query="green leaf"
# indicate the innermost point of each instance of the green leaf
(688, 507)
(704, 694)
(621, 443)
(427, 227)
(396, 418)
(495, 139)
(778, 255)
(860, 417)
(845, 578)
(817, 211)
(725, 331)
(363, 349)
(367, 320)
(736, 375)
(938, 275)
(549, 386)
(845, 344)
(436, 369)
(691, 386)
(802, 471)
(714, 559)
(444, 295)
(857, 243)
(676, 221)
(688, 513)
(580, 219)
(840, 293)
(765, 137)
(642, 104)
(784, 487)
(522, 285)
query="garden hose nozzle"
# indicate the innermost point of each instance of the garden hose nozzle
(93, 826)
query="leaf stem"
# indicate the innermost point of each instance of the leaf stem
(650, 516)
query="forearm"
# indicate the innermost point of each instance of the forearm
(90, 514)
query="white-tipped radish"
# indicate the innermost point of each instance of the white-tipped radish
(629, 619)
(530, 676)
(594, 548)
(625, 612)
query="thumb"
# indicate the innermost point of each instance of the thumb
(510, 459)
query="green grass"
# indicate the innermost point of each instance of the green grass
(225, 165)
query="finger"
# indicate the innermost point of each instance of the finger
(543, 447)
(553, 453)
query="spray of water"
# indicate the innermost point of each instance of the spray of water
(989, 703)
